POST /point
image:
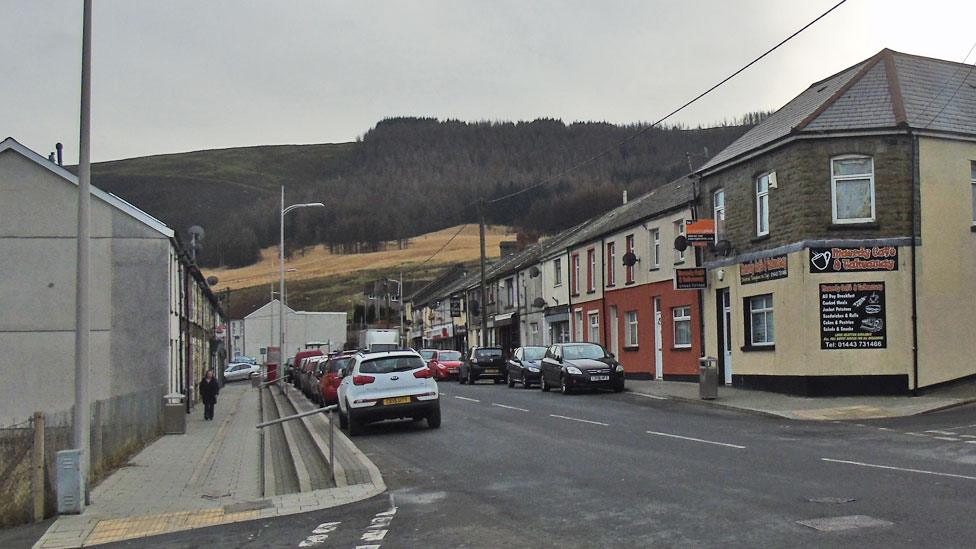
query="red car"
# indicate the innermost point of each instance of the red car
(444, 364)
(330, 380)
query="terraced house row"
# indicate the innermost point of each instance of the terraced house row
(829, 250)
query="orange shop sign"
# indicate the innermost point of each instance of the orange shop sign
(700, 231)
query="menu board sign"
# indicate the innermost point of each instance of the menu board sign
(853, 259)
(690, 279)
(761, 270)
(852, 316)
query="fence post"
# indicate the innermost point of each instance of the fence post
(37, 465)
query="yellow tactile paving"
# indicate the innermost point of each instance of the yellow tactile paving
(108, 531)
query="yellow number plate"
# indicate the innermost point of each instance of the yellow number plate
(397, 400)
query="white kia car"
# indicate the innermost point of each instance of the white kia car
(387, 385)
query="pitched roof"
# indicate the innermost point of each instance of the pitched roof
(11, 144)
(890, 90)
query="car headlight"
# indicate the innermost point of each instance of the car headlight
(573, 370)
(620, 368)
(533, 369)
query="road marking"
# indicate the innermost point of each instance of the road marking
(893, 468)
(509, 407)
(962, 427)
(466, 398)
(320, 534)
(580, 420)
(938, 432)
(968, 436)
(655, 397)
(916, 434)
(953, 439)
(696, 440)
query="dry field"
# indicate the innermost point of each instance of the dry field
(318, 262)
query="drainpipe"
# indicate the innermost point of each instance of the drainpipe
(569, 292)
(603, 289)
(915, 186)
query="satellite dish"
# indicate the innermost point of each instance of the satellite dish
(533, 272)
(629, 259)
(196, 232)
(722, 247)
(212, 280)
(681, 243)
(539, 302)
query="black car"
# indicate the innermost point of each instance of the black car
(524, 366)
(573, 366)
(483, 363)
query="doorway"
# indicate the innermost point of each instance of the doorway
(658, 341)
(724, 302)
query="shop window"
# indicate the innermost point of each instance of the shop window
(557, 272)
(594, 327)
(852, 189)
(679, 230)
(682, 326)
(760, 327)
(718, 213)
(629, 270)
(656, 249)
(611, 257)
(632, 332)
(762, 205)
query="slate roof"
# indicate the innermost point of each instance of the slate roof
(890, 90)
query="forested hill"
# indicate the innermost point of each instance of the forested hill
(406, 176)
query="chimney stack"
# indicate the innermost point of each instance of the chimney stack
(59, 148)
(625, 196)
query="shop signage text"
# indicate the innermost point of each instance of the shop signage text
(761, 270)
(455, 307)
(853, 259)
(852, 316)
(690, 279)
(700, 232)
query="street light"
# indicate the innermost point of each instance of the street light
(281, 266)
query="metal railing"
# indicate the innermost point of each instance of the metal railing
(327, 409)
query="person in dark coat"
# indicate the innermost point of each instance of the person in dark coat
(209, 388)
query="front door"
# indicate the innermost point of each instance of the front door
(658, 341)
(725, 322)
(614, 346)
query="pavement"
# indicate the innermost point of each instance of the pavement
(209, 476)
(812, 408)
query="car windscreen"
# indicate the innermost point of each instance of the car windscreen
(338, 363)
(379, 347)
(574, 352)
(534, 353)
(427, 354)
(388, 365)
(449, 355)
(487, 353)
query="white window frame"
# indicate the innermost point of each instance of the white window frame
(681, 315)
(718, 212)
(633, 331)
(833, 189)
(578, 321)
(972, 180)
(611, 263)
(768, 314)
(591, 270)
(576, 273)
(534, 333)
(593, 324)
(510, 292)
(762, 199)
(656, 248)
(557, 272)
(679, 230)
(629, 271)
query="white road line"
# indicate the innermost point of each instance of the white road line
(938, 432)
(696, 440)
(466, 398)
(892, 468)
(953, 439)
(580, 420)
(655, 397)
(508, 407)
(962, 427)
(968, 436)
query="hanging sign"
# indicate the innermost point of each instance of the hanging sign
(700, 232)
(853, 259)
(690, 279)
(455, 306)
(852, 316)
(761, 270)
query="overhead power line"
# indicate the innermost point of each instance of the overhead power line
(646, 129)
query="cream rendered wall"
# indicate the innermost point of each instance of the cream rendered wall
(946, 262)
(644, 273)
(796, 310)
(598, 275)
(552, 293)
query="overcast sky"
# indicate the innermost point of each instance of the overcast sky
(184, 75)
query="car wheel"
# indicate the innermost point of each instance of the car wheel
(511, 381)
(543, 384)
(563, 387)
(434, 418)
(471, 378)
(355, 426)
(343, 421)
(461, 377)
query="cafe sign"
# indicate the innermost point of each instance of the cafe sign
(690, 279)
(853, 316)
(761, 270)
(853, 259)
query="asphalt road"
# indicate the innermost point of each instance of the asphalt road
(522, 468)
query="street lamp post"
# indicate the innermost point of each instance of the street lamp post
(281, 271)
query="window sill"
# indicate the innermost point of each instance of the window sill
(612, 285)
(760, 238)
(682, 262)
(757, 348)
(867, 226)
(681, 348)
(631, 348)
(652, 269)
(629, 283)
(589, 292)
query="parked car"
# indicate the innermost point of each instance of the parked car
(289, 366)
(300, 357)
(331, 377)
(388, 385)
(242, 370)
(524, 366)
(443, 364)
(483, 363)
(572, 366)
(309, 379)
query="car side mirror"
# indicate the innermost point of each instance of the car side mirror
(612, 355)
(559, 359)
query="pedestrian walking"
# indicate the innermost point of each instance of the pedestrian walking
(208, 393)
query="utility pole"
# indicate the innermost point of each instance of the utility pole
(82, 410)
(484, 286)
(403, 338)
(281, 285)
